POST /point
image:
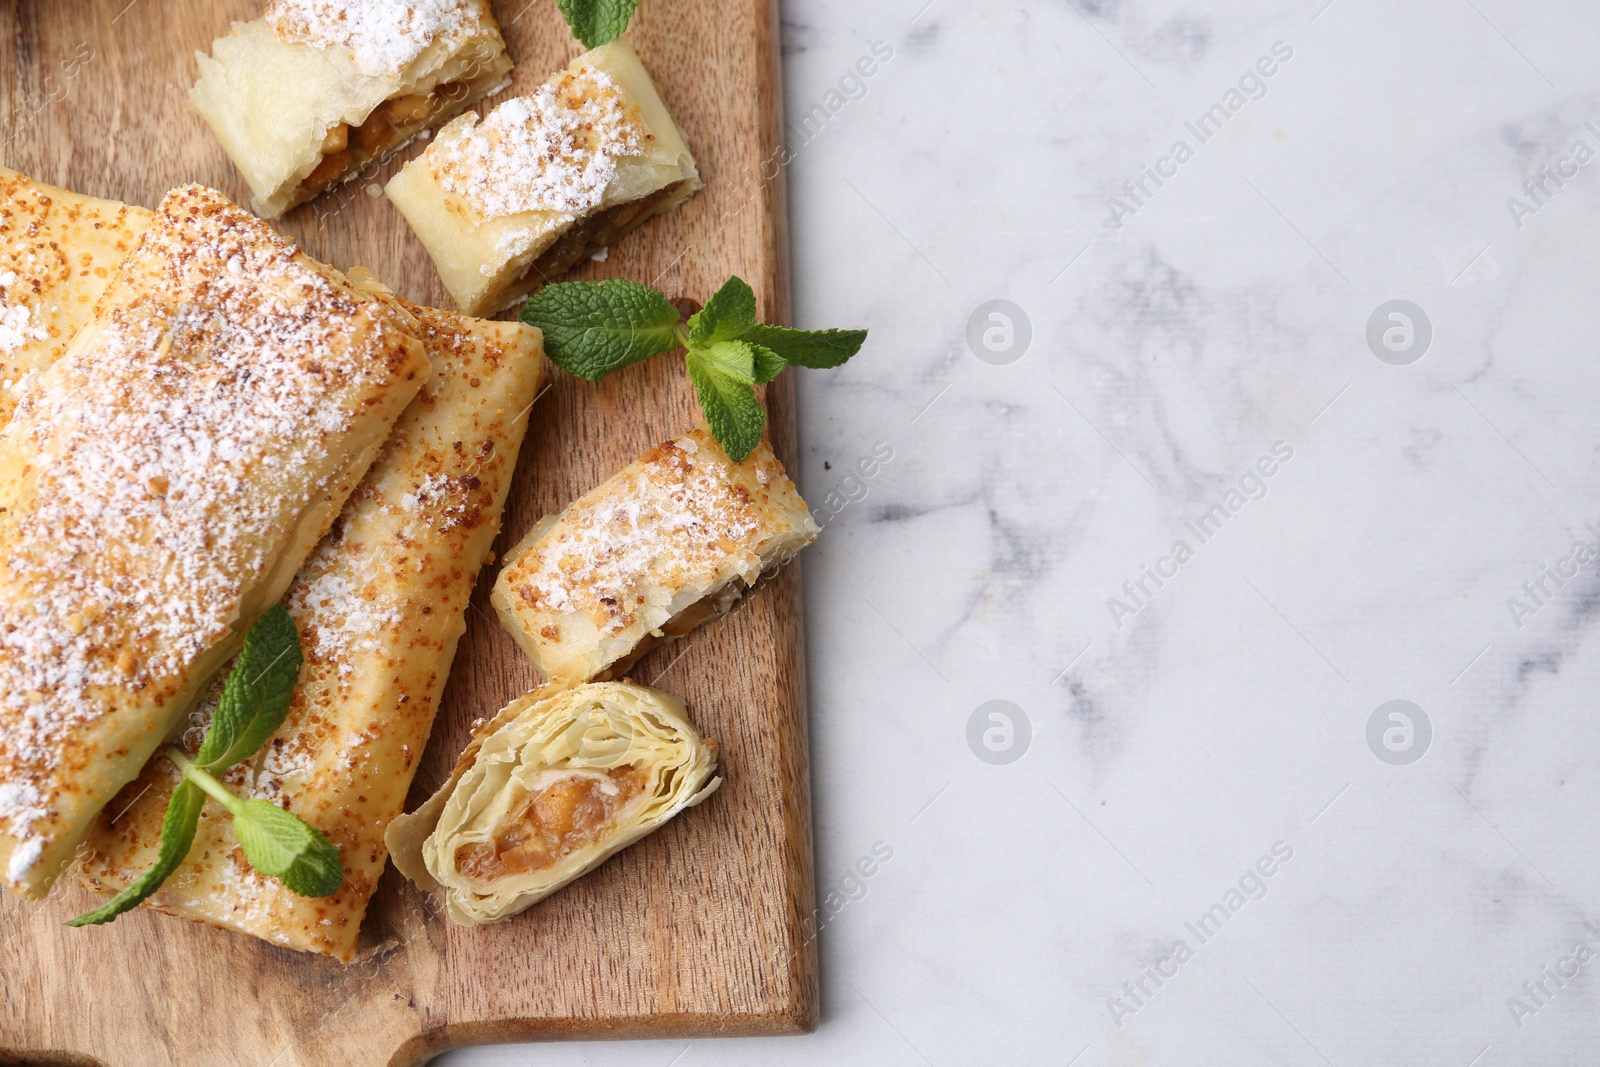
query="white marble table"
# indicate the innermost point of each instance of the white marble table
(1103, 899)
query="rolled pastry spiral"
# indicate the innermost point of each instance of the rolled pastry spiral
(560, 780)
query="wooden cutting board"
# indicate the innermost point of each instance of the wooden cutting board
(698, 930)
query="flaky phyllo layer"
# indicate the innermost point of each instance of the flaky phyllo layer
(160, 484)
(549, 789)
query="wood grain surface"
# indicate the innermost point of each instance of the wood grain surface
(699, 929)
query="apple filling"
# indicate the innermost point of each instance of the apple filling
(570, 813)
(346, 148)
(599, 230)
(713, 605)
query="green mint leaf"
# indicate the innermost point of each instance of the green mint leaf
(730, 406)
(727, 315)
(597, 22)
(177, 835)
(257, 694)
(733, 359)
(767, 363)
(275, 842)
(594, 328)
(818, 349)
(279, 844)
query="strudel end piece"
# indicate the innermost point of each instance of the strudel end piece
(548, 789)
(668, 543)
(505, 203)
(380, 606)
(58, 251)
(160, 484)
(314, 90)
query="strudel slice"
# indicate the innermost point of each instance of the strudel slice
(307, 95)
(505, 203)
(668, 543)
(380, 606)
(551, 787)
(160, 485)
(58, 250)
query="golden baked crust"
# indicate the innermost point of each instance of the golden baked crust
(548, 178)
(666, 544)
(380, 605)
(58, 251)
(310, 93)
(159, 487)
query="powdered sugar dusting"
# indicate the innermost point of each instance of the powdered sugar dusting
(442, 502)
(676, 517)
(432, 491)
(339, 613)
(382, 37)
(162, 473)
(15, 328)
(555, 149)
(23, 857)
(20, 806)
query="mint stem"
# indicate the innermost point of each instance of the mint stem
(208, 785)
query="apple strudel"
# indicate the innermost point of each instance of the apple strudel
(307, 95)
(544, 180)
(668, 543)
(159, 487)
(550, 788)
(380, 607)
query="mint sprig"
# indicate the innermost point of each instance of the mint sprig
(594, 328)
(597, 22)
(255, 700)
(276, 842)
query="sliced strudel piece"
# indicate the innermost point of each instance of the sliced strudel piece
(58, 250)
(668, 543)
(505, 203)
(160, 485)
(551, 787)
(314, 90)
(380, 606)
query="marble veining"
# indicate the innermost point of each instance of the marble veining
(1084, 879)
